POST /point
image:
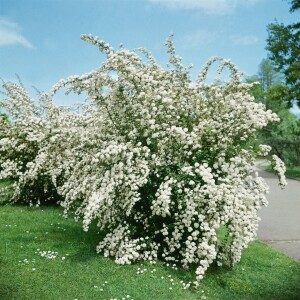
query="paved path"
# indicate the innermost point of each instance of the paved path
(280, 221)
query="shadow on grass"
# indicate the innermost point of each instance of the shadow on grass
(66, 237)
(7, 291)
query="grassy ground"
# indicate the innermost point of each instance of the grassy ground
(78, 272)
(291, 172)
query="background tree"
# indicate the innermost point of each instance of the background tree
(267, 75)
(283, 43)
(271, 84)
(295, 4)
(282, 136)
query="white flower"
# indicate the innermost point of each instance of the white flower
(154, 159)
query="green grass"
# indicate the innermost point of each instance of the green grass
(291, 172)
(263, 273)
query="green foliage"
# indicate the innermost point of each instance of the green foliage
(262, 273)
(283, 136)
(3, 118)
(277, 98)
(270, 88)
(283, 43)
(5, 191)
(295, 4)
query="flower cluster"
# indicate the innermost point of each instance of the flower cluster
(279, 168)
(47, 254)
(163, 165)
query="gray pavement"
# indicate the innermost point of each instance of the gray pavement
(280, 221)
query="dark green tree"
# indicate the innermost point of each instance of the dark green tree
(283, 44)
(295, 4)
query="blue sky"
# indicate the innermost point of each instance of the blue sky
(40, 39)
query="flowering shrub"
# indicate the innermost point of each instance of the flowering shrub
(162, 164)
(24, 142)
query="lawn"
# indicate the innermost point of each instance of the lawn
(78, 272)
(291, 172)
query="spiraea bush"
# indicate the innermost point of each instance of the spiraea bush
(163, 164)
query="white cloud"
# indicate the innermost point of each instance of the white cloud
(10, 35)
(295, 110)
(200, 37)
(216, 7)
(244, 40)
(207, 37)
